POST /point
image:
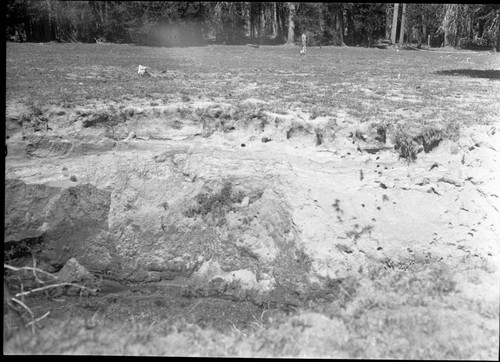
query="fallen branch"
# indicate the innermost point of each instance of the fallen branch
(38, 319)
(439, 51)
(28, 309)
(54, 286)
(9, 299)
(22, 305)
(29, 268)
(22, 294)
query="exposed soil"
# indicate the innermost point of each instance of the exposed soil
(352, 217)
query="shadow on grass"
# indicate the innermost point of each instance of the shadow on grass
(473, 73)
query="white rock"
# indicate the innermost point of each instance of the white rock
(130, 136)
(245, 202)
(142, 70)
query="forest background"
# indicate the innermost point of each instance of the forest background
(190, 23)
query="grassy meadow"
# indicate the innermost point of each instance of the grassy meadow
(368, 84)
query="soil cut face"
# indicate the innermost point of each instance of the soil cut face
(330, 208)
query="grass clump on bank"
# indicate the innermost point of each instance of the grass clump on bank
(215, 205)
(405, 144)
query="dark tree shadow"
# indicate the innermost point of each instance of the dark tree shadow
(473, 73)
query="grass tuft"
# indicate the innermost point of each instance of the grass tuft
(405, 144)
(215, 205)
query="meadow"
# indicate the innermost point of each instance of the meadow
(366, 83)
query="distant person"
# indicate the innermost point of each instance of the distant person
(304, 39)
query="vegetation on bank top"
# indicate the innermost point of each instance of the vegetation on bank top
(337, 83)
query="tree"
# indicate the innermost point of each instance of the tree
(422, 20)
(369, 22)
(188, 22)
(280, 22)
(228, 21)
(349, 17)
(291, 16)
(394, 23)
(274, 18)
(488, 20)
(402, 31)
(339, 23)
(310, 20)
(388, 21)
(452, 23)
(15, 18)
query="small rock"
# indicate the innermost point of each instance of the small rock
(73, 272)
(423, 181)
(265, 139)
(450, 181)
(130, 136)
(245, 202)
(434, 165)
(481, 140)
(73, 178)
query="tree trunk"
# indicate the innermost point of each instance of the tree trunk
(340, 19)
(230, 33)
(291, 25)
(338, 24)
(388, 21)
(279, 22)
(350, 26)
(402, 30)
(46, 29)
(424, 27)
(51, 19)
(470, 24)
(252, 21)
(259, 23)
(27, 30)
(274, 20)
(20, 33)
(369, 32)
(101, 12)
(497, 42)
(394, 23)
(264, 18)
(446, 23)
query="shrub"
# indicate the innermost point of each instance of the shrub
(405, 144)
(430, 138)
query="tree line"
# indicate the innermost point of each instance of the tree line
(179, 23)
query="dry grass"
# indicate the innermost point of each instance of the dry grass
(410, 311)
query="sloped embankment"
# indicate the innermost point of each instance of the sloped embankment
(240, 202)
